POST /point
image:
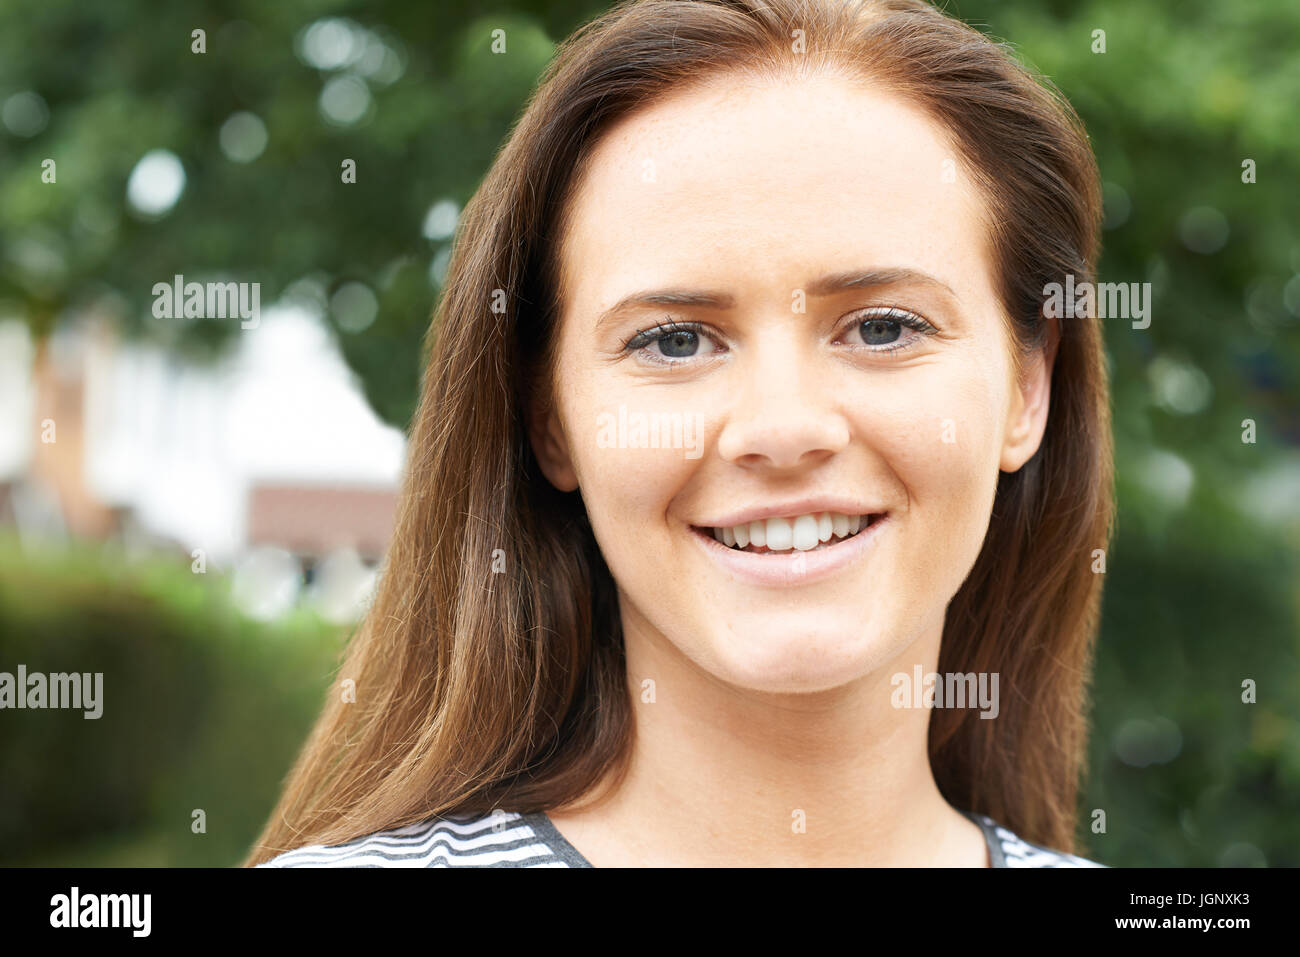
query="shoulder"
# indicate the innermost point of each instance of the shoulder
(498, 839)
(1008, 849)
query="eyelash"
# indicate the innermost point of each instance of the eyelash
(643, 338)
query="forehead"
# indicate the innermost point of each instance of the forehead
(754, 183)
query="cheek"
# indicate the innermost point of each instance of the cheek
(941, 431)
(632, 452)
(938, 434)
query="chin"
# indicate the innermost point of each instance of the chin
(795, 662)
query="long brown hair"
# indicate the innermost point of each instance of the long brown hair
(489, 671)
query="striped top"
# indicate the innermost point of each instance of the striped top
(507, 839)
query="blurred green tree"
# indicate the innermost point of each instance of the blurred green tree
(261, 124)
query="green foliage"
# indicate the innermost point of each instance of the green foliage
(120, 80)
(202, 709)
(1181, 632)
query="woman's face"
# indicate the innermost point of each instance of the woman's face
(839, 348)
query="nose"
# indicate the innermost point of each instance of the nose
(785, 413)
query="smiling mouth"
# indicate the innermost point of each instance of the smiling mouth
(805, 534)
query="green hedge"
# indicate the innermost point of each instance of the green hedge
(202, 709)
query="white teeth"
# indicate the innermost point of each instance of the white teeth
(780, 534)
(801, 533)
(805, 533)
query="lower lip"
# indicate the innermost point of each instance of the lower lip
(786, 569)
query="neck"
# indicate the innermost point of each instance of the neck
(721, 775)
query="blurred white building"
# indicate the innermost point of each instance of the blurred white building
(272, 447)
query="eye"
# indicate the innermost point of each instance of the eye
(677, 342)
(886, 328)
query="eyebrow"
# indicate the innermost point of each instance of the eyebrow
(823, 286)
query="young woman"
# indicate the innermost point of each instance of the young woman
(754, 498)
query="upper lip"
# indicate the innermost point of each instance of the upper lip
(791, 509)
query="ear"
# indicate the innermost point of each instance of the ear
(551, 447)
(1030, 399)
